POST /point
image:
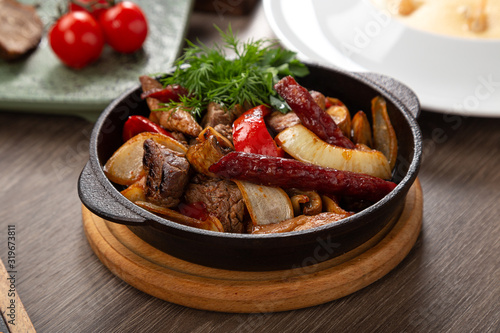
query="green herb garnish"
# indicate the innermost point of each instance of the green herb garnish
(248, 77)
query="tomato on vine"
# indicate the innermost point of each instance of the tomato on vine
(76, 38)
(125, 27)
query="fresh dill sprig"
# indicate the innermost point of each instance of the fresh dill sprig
(247, 78)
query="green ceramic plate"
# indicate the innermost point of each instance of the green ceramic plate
(41, 83)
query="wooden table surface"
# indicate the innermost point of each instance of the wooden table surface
(449, 282)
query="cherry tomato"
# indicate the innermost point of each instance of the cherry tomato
(94, 7)
(138, 124)
(125, 27)
(76, 39)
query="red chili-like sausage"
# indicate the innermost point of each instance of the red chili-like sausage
(310, 114)
(289, 173)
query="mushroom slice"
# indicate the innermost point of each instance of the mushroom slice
(331, 205)
(265, 204)
(297, 200)
(384, 136)
(211, 223)
(361, 129)
(305, 146)
(125, 166)
(305, 202)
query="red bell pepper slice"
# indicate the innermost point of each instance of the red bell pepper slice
(250, 134)
(170, 93)
(138, 124)
(196, 210)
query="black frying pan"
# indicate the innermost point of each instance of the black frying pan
(261, 252)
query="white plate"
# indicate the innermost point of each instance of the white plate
(450, 75)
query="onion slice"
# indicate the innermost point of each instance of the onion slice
(306, 146)
(265, 204)
(125, 166)
(211, 223)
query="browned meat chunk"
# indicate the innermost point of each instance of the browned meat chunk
(175, 119)
(221, 119)
(222, 199)
(20, 29)
(166, 174)
(216, 115)
(278, 121)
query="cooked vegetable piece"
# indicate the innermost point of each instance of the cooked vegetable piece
(302, 222)
(310, 114)
(137, 124)
(384, 136)
(125, 166)
(197, 210)
(332, 101)
(361, 129)
(330, 204)
(305, 202)
(342, 118)
(265, 204)
(136, 191)
(288, 173)
(211, 223)
(250, 133)
(305, 146)
(210, 148)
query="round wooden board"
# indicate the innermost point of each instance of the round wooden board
(161, 275)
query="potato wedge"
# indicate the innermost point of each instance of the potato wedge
(136, 191)
(125, 166)
(384, 136)
(305, 146)
(342, 118)
(361, 129)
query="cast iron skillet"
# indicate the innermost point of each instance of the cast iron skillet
(261, 252)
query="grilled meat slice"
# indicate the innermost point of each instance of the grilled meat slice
(20, 29)
(278, 121)
(175, 119)
(167, 174)
(221, 119)
(221, 197)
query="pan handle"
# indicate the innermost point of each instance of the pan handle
(394, 87)
(102, 202)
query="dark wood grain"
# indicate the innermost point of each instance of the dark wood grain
(450, 281)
